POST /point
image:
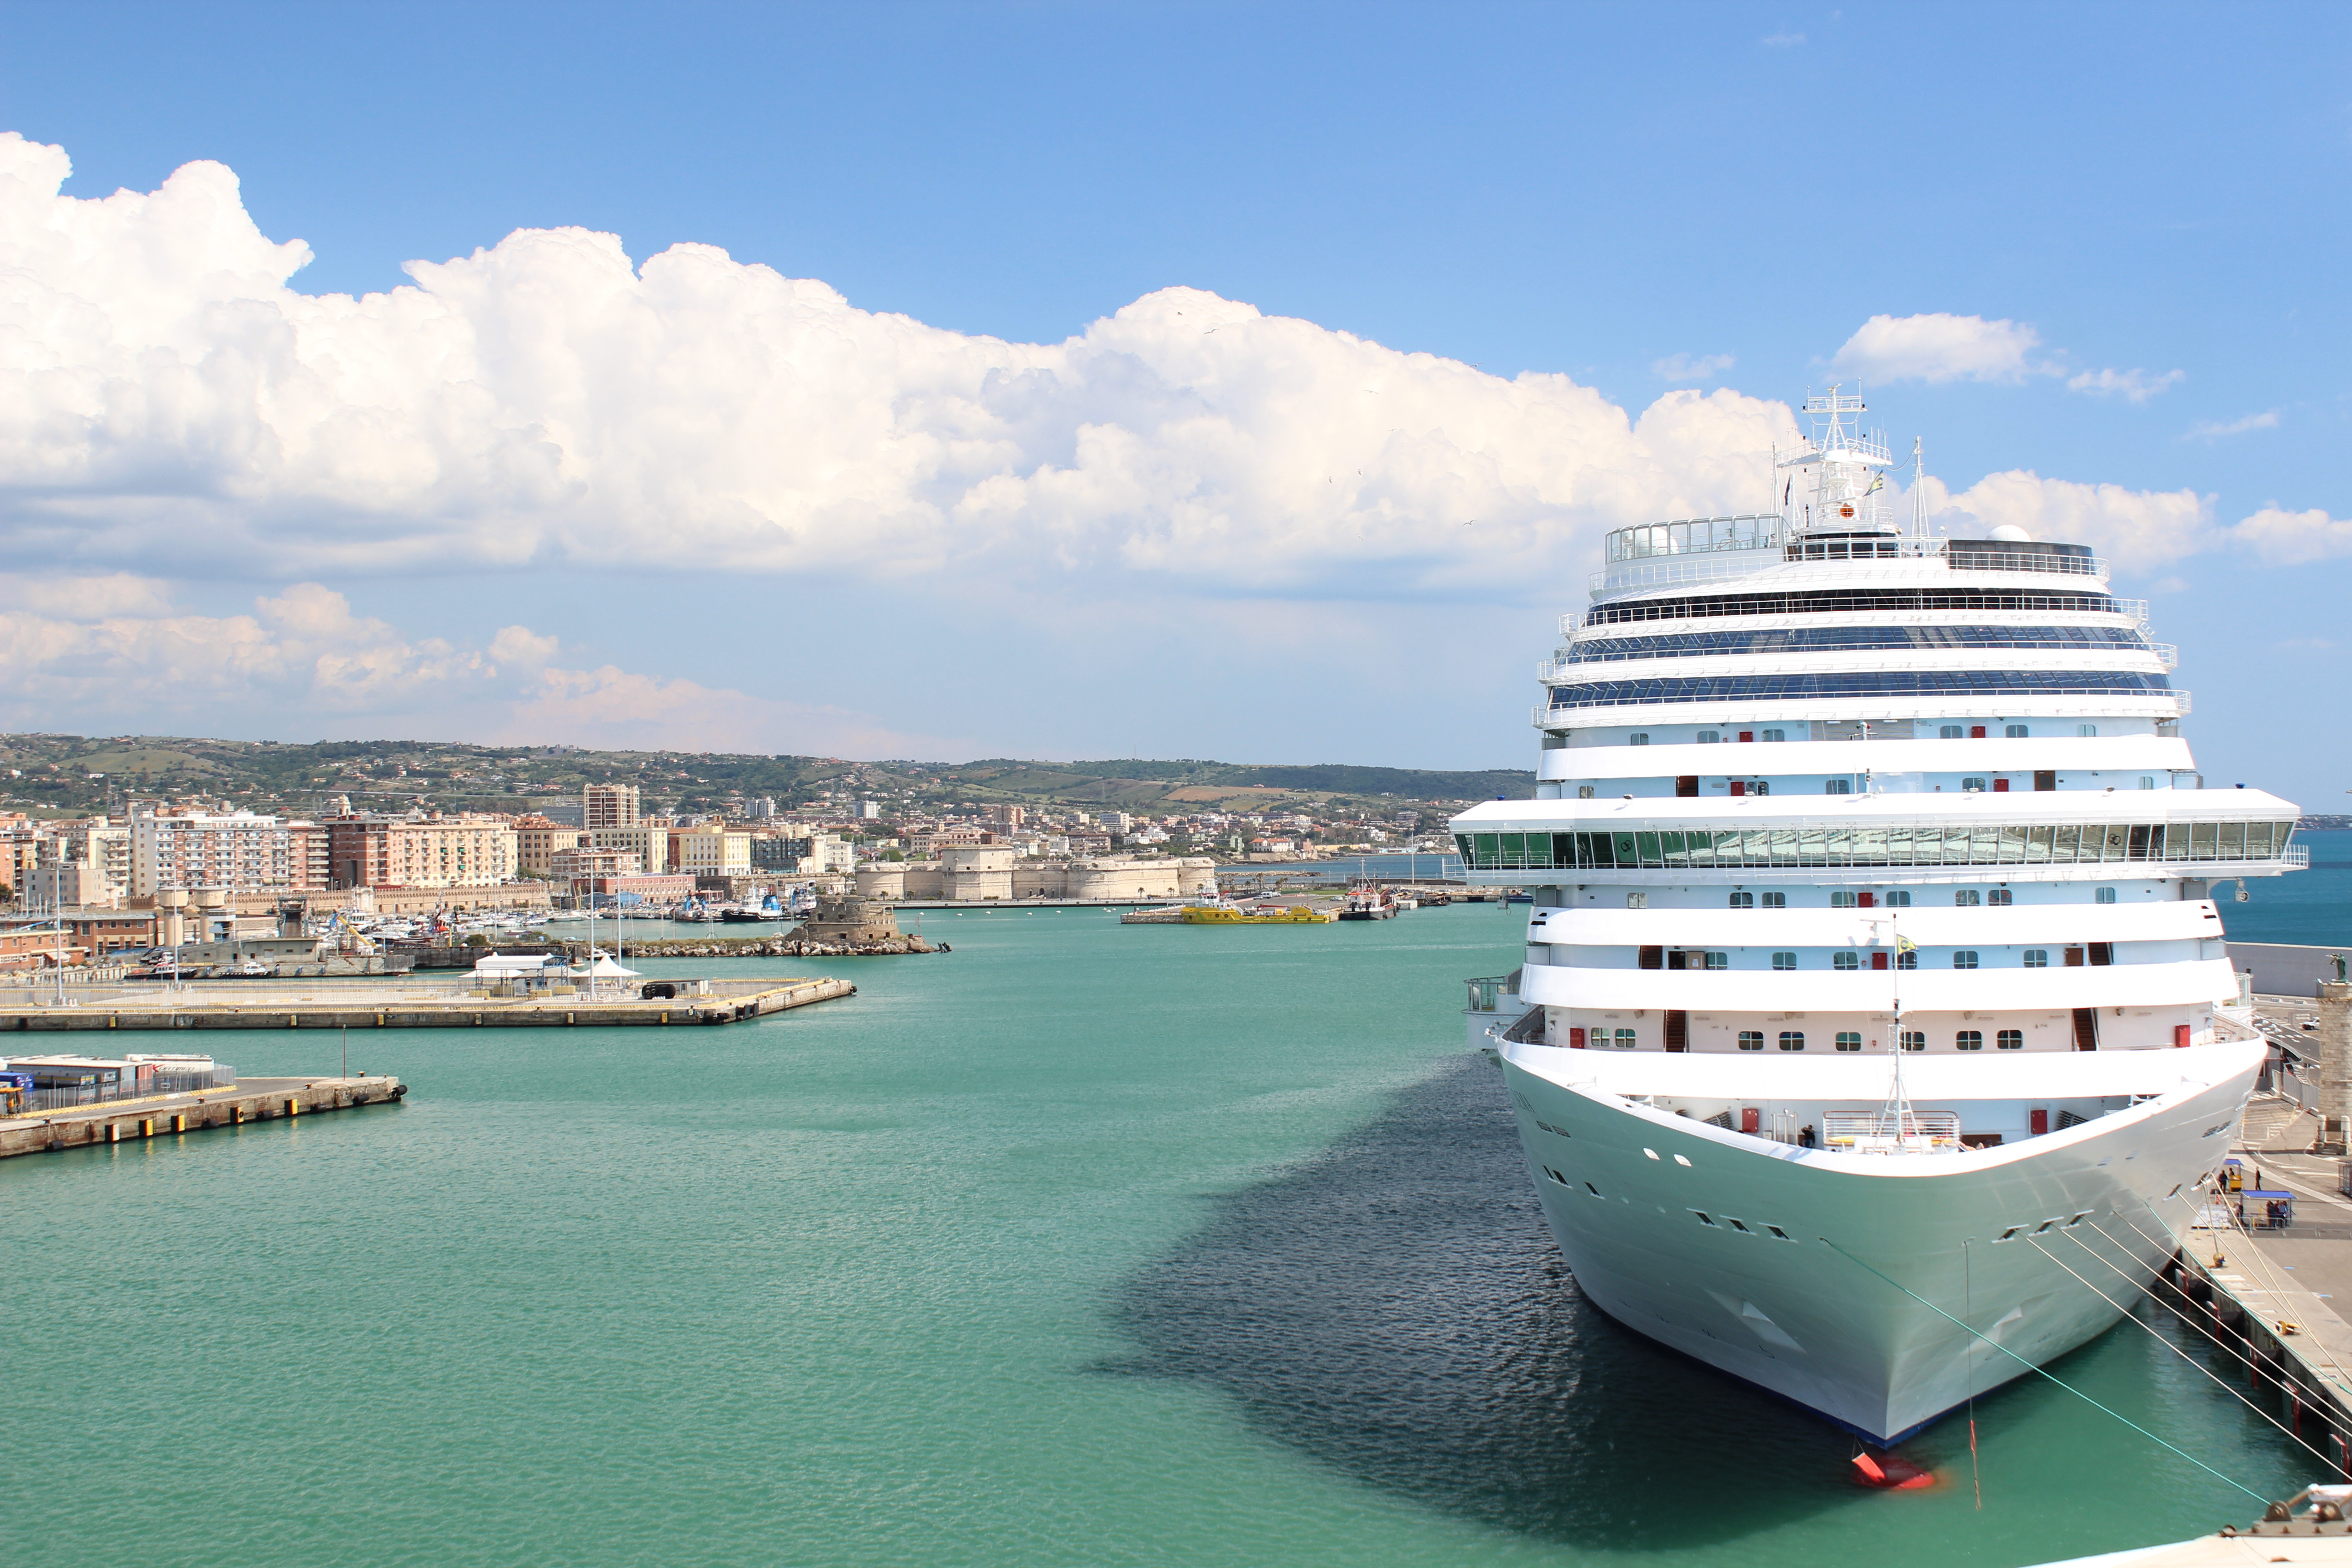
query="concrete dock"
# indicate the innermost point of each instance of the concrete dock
(418, 1005)
(169, 1115)
(2274, 1303)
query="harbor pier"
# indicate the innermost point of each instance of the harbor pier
(233, 1005)
(171, 1115)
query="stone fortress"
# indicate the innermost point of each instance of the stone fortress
(975, 873)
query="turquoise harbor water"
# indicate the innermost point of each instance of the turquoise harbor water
(1083, 1244)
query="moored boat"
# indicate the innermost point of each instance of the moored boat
(1873, 967)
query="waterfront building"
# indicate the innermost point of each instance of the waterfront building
(420, 851)
(236, 851)
(648, 841)
(710, 851)
(539, 840)
(100, 849)
(1873, 945)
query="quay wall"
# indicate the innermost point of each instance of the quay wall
(739, 999)
(132, 1121)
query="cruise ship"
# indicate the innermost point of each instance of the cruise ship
(1875, 1004)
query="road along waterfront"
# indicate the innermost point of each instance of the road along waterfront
(1076, 1246)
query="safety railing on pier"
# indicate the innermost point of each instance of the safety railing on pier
(82, 1096)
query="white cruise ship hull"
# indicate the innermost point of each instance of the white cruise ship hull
(1858, 1314)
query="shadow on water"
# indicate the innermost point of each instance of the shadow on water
(1396, 1309)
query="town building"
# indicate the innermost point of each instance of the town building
(538, 841)
(237, 851)
(710, 851)
(609, 805)
(418, 851)
(648, 841)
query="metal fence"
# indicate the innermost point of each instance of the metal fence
(81, 1096)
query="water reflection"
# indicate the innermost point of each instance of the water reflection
(1396, 1309)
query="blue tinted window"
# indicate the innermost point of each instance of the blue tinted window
(1861, 683)
(1837, 639)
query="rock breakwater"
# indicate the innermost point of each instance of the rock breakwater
(777, 947)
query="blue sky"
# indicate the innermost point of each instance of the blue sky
(1639, 199)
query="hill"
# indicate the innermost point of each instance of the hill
(75, 774)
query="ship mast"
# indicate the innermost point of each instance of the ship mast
(1848, 464)
(1896, 1113)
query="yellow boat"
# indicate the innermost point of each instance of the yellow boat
(1224, 915)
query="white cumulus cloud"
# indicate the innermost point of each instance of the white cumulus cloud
(116, 646)
(2294, 538)
(2137, 530)
(166, 397)
(1939, 347)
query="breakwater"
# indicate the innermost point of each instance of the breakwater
(779, 947)
(258, 1005)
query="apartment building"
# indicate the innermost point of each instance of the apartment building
(100, 849)
(237, 851)
(710, 851)
(609, 805)
(538, 841)
(648, 841)
(415, 851)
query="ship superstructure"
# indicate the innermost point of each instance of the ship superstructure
(1874, 962)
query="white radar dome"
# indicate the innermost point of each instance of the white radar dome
(2013, 533)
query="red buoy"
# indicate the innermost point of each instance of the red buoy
(1890, 1473)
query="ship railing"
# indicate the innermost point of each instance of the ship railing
(1797, 847)
(1694, 536)
(1848, 661)
(2169, 705)
(1572, 623)
(1486, 993)
(1657, 572)
(1852, 1129)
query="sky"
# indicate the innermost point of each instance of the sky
(1083, 381)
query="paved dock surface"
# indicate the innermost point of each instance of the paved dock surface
(378, 1004)
(173, 1115)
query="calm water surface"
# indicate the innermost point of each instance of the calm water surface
(1083, 1244)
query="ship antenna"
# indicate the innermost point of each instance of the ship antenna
(1918, 496)
(1898, 1104)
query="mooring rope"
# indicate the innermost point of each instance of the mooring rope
(2157, 1335)
(2053, 1377)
